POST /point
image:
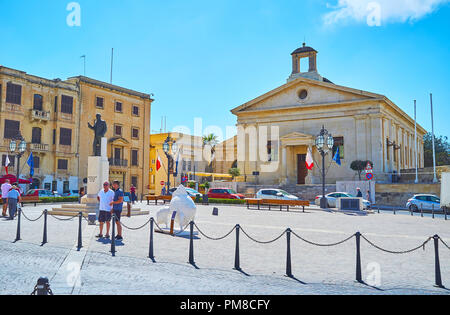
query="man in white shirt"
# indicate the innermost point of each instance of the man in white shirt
(105, 197)
(6, 187)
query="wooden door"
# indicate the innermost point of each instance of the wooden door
(302, 171)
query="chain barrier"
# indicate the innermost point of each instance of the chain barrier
(213, 238)
(398, 252)
(445, 244)
(67, 219)
(323, 245)
(132, 228)
(184, 229)
(31, 220)
(261, 242)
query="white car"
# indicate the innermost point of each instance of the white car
(333, 197)
(275, 194)
(425, 202)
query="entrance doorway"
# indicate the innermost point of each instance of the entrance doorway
(302, 171)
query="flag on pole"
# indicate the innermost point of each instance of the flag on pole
(7, 162)
(158, 163)
(337, 157)
(30, 163)
(309, 160)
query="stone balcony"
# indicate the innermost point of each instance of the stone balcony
(118, 163)
(40, 115)
(39, 147)
(14, 108)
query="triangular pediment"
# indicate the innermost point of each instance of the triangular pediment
(296, 135)
(291, 95)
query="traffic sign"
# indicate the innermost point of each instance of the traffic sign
(369, 167)
(369, 176)
(163, 183)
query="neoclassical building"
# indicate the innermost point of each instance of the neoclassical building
(276, 129)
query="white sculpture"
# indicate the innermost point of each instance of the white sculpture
(184, 206)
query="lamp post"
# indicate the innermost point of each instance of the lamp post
(170, 147)
(18, 146)
(324, 143)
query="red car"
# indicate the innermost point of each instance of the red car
(224, 193)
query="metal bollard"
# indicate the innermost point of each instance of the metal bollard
(432, 210)
(113, 236)
(150, 251)
(358, 258)
(42, 287)
(44, 237)
(80, 237)
(288, 258)
(237, 256)
(421, 211)
(437, 265)
(379, 210)
(191, 243)
(445, 213)
(19, 215)
(394, 211)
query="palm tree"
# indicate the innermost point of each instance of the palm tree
(211, 141)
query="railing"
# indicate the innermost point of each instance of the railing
(39, 147)
(40, 115)
(118, 162)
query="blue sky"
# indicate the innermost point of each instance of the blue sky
(203, 58)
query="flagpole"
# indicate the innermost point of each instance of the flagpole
(415, 139)
(434, 148)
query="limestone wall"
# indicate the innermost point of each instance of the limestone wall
(398, 194)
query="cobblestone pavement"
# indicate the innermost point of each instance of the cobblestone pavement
(319, 270)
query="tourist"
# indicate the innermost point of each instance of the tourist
(133, 194)
(117, 206)
(105, 197)
(13, 200)
(359, 193)
(6, 187)
(369, 197)
(163, 191)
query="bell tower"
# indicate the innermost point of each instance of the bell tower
(311, 72)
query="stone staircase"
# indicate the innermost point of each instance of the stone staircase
(74, 209)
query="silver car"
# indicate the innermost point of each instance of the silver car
(275, 194)
(333, 197)
(425, 202)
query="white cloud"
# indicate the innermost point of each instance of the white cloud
(377, 12)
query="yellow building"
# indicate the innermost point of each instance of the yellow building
(189, 156)
(276, 129)
(52, 116)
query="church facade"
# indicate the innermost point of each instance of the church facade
(275, 130)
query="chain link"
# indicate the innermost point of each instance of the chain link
(162, 230)
(261, 242)
(68, 219)
(397, 252)
(322, 245)
(212, 238)
(445, 244)
(24, 215)
(131, 228)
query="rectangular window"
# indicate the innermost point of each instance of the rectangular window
(54, 136)
(118, 130)
(38, 102)
(13, 93)
(36, 135)
(99, 102)
(65, 136)
(66, 186)
(55, 109)
(37, 161)
(12, 160)
(339, 143)
(12, 129)
(272, 151)
(135, 133)
(66, 104)
(136, 110)
(54, 185)
(63, 164)
(388, 155)
(134, 157)
(118, 107)
(134, 181)
(47, 186)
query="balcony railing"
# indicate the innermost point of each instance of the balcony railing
(40, 115)
(39, 147)
(118, 162)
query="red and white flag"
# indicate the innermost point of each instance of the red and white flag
(7, 162)
(309, 160)
(158, 163)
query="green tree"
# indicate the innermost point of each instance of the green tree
(211, 141)
(359, 166)
(442, 147)
(235, 172)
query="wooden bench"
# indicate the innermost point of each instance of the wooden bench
(276, 203)
(158, 198)
(30, 199)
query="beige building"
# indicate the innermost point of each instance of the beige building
(53, 116)
(276, 129)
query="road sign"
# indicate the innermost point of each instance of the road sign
(163, 183)
(369, 176)
(369, 167)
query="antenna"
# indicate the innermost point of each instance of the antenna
(112, 62)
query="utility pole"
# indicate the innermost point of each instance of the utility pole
(432, 137)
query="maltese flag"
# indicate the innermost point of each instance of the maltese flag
(158, 163)
(309, 160)
(7, 162)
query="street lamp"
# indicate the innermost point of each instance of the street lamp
(324, 144)
(18, 146)
(170, 147)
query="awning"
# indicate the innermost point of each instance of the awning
(13, 179)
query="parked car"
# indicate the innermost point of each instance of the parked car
(191, 192)
(72, 193)
(275, 194)
(425, 202)
(224, 193)
(333, 197)
(41, 193)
